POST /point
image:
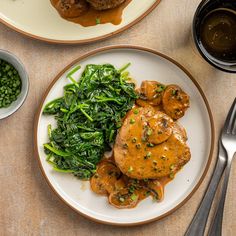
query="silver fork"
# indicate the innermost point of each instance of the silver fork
(228, 139)
(198, 224)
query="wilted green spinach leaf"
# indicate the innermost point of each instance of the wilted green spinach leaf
(88, 117)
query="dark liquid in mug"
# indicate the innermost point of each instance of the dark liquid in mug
(218, 34)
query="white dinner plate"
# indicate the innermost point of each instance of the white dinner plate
(38, 19)
(146, 64)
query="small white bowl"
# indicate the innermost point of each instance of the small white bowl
(12, 59)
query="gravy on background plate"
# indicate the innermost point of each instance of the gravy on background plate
(88, 16)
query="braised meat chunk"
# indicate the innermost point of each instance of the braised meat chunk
(136, 151)
(72, 8)
(105, 4)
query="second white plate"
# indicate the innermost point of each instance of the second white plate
(146, 64)
(39, 20)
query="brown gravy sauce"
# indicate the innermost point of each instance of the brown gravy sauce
(93, 17)
(218, 34)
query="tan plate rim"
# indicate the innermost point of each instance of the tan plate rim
(84, 41)
(36, 121)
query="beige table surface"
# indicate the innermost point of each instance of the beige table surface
(27, 205)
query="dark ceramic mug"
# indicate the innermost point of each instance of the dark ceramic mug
(203, 10)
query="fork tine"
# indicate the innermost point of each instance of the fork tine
(229, 122)
(234, 125)
(233, 120)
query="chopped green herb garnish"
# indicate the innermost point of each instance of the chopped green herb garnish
(174, 92)
(138, 146)
(160, 88)
(132, 121)
(133, 197)
(130, 169)
(136, 111)
(10, 84)
(132, 188)
(149, 131)
(98, 21)
(150, 145)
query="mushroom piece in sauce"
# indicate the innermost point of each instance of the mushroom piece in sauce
(71, 8)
